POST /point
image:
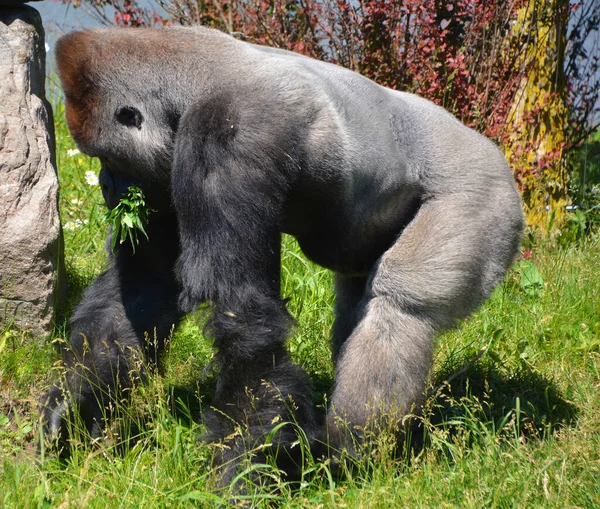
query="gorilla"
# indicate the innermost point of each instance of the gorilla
(234, 144)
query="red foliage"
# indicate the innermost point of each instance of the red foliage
(453, 52)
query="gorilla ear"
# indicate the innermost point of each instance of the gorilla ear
(129, 116)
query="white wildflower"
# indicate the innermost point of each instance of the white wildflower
(73, 152)
(74, 225)
(91, 178)
(76, 201)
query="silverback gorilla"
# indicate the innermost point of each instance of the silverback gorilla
(233, 144)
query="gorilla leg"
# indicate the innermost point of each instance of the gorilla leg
(435, 273)
(120, 324)
(259, 388)
(349, 291)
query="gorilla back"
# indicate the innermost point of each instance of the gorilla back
(416, 214)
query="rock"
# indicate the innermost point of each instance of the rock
(31, 248)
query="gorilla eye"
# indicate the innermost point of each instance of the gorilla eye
(129, 116)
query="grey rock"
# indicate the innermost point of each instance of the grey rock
(31, 248)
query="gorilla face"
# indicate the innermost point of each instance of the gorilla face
(122, 170)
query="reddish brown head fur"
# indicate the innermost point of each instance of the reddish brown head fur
(74, 53)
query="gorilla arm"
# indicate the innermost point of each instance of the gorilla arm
(228, 201)
(119, 327)
(229, 197)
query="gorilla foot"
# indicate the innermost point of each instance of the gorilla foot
(351, 446)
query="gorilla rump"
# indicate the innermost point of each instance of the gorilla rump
(233, 144)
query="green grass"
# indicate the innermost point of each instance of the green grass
(519, 427)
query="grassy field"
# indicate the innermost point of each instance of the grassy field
(513, 419)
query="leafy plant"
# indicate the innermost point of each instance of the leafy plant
(129, 216)
(530, 279)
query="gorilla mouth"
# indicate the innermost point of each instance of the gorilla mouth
(113, 186)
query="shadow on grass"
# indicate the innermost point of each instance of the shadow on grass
(526, 400)
(524, 404)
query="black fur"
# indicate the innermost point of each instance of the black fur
(119, 327)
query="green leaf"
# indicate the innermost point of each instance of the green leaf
(531, 281)
(127, 220)
(130, 215)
